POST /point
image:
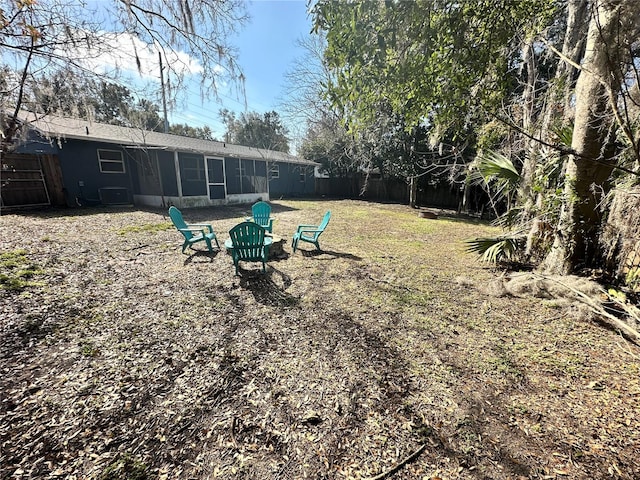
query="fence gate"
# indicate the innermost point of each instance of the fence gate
(23, 180)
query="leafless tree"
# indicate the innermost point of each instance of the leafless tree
(190, 36)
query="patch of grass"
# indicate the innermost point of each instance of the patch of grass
(16, 271)
(569, 363)
(418, 227)
(147, 228)
(125, 467)
(517, 408)
(503, 363)
(89, 349)
(414, 299)
(364, 213)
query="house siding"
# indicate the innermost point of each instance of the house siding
(80, 166)
(293, 180)
(81, 169)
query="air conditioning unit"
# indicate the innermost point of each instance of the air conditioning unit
(114, 196)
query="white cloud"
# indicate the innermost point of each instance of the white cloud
(123, 52)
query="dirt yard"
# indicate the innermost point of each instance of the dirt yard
(390, 354)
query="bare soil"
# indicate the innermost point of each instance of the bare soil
(121, 357)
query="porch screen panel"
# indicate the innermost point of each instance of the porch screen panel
(216, 192)
(192, 174)
(260, 179)
(232, 172)
(167, 167)
(248, 173)
(146, 168)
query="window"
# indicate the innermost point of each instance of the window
(111, 161)
(274, 170)
(303, 177)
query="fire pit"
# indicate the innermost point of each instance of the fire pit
(276, 250)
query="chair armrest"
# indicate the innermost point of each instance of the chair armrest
(306, 227)
(308, 230)
(200, 225)
(193, 229)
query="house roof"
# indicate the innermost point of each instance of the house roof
(75, 128)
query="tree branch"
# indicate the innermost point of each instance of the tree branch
(397, 467)
(560, 148)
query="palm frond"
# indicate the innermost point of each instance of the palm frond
(511, 217)
(495, 250)
(493, 164)
(497, 172)
(564, 134)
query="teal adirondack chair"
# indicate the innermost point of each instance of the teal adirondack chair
(193, 232)
(310, 233)
(248, 244)
(261, 212)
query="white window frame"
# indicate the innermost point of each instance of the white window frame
(274, 170)
(102, 161)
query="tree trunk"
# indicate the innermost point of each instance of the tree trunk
(528, 100)
(557, 98)
(575, 241)
(413, 191)
(565, 77)
(572, 52)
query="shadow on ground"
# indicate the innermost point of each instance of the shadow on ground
(334, 255)
(269, 288)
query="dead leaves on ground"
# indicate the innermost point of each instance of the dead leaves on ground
(131, 360)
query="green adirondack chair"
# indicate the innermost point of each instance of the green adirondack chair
(193, 232)
(249, 244)
(310, 233)
(261, 212)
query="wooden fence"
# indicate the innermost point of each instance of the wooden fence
(389, 189)
(30, 180)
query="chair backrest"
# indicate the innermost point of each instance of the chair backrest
(178, 222)
(261, 212)
(248, 241)
(325, 221)
(322, 226)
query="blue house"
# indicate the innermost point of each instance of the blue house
(108, 164)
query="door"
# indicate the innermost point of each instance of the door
(215, 178)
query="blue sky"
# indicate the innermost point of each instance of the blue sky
(267, 49)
